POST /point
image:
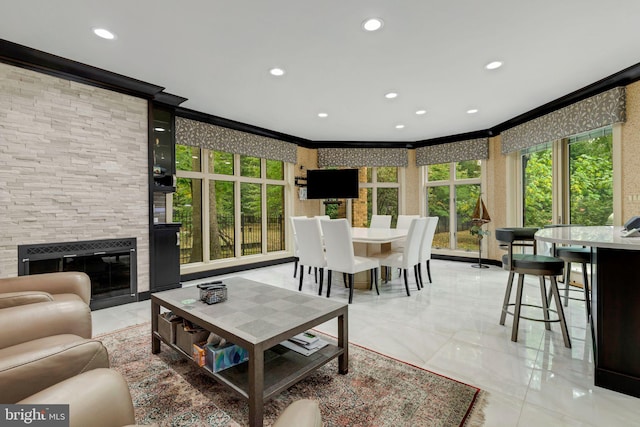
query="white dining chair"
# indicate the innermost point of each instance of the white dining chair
(340, 255)
(425, 247)
(310, 249)
(295, 244)
(403, 223)
(410, 256)
(380, 221)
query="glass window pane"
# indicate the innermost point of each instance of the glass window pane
(466, 198)
(250, 166)
(187, 210)
(187, 158)
(368, 176)
(387, 174)
(251, 227)
(220, 162)
(221, 220)
(275, 218)
(438, 205)
(275, 169)
(439, 172)
(591, 181)
(537, 187)
(387, 202)
(468, 169)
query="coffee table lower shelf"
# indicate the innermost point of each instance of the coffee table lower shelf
(282, 368)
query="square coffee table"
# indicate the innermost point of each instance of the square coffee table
(258, 317)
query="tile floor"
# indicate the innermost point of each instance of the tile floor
(451, 328)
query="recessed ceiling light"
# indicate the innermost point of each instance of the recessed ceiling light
(372, 24)
(472, 111)
(105, 34)
(276, 71)
(493, 65)
(391, 95)
(421, 112)
(322, 115)
(399, 126)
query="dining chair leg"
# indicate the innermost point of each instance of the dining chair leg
(516, 311)
(350, 288)
(545, 303)
(375, 278)
(507, 296)
(428, 270)
(301, 276)
(344, 278)
(321, 279)
(420, 275)
(315, 273)
(328, 283)
(406, 283)
(415, 274)
(371, 279)
(295, 267)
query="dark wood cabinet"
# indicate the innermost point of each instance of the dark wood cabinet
(166, 256)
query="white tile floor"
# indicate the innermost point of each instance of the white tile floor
(451, 327)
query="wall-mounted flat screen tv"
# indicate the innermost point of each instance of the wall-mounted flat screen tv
(332, 184)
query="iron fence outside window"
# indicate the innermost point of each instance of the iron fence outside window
(250, 231)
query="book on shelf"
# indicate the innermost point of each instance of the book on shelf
(307, 349)
(305, 338)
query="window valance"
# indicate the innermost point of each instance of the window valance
(205, 135)
(357, 157)
(599, 110)
(458, 151)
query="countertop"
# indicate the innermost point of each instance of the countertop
(594, 236)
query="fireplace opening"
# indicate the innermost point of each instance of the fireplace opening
(110, 264)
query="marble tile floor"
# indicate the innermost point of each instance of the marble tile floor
(451, 327)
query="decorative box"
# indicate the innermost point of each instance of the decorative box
(167, 323)
(219, 358)
(199, 354)
(186, 339)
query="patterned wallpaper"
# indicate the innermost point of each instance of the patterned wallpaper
(459, 151)
(600, 110)
(355, 157)
(205, 135)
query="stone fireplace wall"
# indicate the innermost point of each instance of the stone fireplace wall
(73, 166)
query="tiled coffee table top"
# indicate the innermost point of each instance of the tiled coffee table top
(253, 311)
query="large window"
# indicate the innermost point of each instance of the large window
(229, 205)
(569, 181)
(452, 191)
(379, 195)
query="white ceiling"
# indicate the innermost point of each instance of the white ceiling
(218, 53)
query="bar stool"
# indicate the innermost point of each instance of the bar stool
(533, 264)
(579, 255)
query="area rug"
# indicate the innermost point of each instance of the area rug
(378, 390)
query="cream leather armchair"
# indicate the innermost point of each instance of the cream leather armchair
(98, 398)
(61, 286)
(87, 393)
(44, 343)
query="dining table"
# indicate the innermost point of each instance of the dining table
(370, 241)
(615, 301)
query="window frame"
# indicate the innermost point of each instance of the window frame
(237, 179)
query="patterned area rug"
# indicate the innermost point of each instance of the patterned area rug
(378, 391)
